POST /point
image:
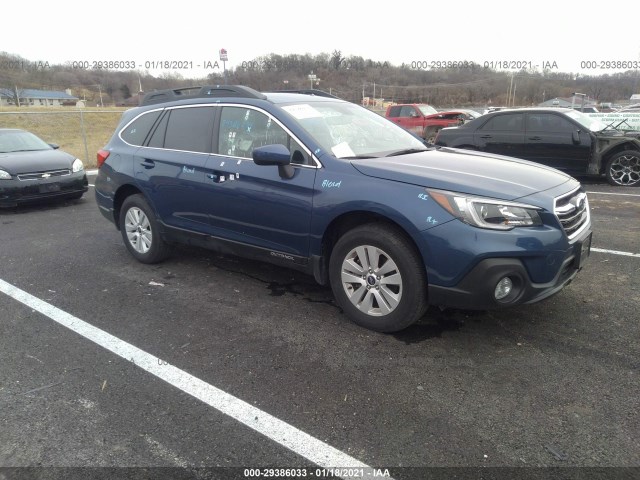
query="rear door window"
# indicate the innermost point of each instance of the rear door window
(512, 122)
(190, 129)
(395, 111)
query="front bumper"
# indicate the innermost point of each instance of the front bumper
(476, 290)
(15, 192)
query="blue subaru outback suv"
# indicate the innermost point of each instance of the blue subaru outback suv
(327, 187)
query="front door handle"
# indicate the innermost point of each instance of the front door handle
(148, 163)
(535, 138)
(486, 136)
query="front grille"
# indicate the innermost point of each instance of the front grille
(573, 211)
(44, 175)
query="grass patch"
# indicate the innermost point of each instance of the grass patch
(64, 127)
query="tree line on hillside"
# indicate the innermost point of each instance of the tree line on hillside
(348, 77)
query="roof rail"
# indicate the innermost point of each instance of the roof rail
(311, 91)
(208, 91)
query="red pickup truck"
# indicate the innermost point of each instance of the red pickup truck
(426, 121)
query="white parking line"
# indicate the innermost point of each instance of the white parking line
(92, 172)
(615, 252)
(621, 194)
(280, 432)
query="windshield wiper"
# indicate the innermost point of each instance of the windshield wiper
(407, 151)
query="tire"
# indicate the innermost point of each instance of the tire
(390, 301)
(623, 169)
(141, 231)
(430, 135)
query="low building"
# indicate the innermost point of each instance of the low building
(35, 98)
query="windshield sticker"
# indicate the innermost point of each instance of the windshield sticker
(342, 150)
(330, 184)
(302, 111)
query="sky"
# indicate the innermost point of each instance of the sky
(565, 36)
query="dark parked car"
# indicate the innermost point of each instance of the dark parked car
(33, 170)
(558, 137)
(329, 188)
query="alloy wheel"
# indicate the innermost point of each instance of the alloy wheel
(625, 170)
(371, 280)
(138, 229)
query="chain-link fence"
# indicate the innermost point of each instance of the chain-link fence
(79, 132)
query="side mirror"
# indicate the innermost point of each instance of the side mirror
(278, 155)
(575, 137)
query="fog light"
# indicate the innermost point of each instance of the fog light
(503, 288)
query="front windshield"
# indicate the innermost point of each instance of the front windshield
(20, 141)
(350, 131)
(427, 109)
(592, 124)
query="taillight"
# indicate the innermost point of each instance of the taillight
(102, 156)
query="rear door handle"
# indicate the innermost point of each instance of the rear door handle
(535, 138)
(148, 163)
(486, 136)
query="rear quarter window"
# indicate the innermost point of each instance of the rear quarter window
(136, 132)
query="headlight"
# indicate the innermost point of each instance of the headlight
(487, 212)
(4, 175)
(77, 165)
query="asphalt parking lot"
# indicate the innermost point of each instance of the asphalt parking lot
(212, 361)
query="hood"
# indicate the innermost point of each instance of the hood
(465, 171)
(29, 162)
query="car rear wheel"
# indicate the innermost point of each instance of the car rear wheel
(141, 232)
(378, 279)
(624, 169)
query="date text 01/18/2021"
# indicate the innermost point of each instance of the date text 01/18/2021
(329, 472)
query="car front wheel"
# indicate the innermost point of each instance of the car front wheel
(624, 169)
(431, 134)
(140, 231)
(378, 279)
